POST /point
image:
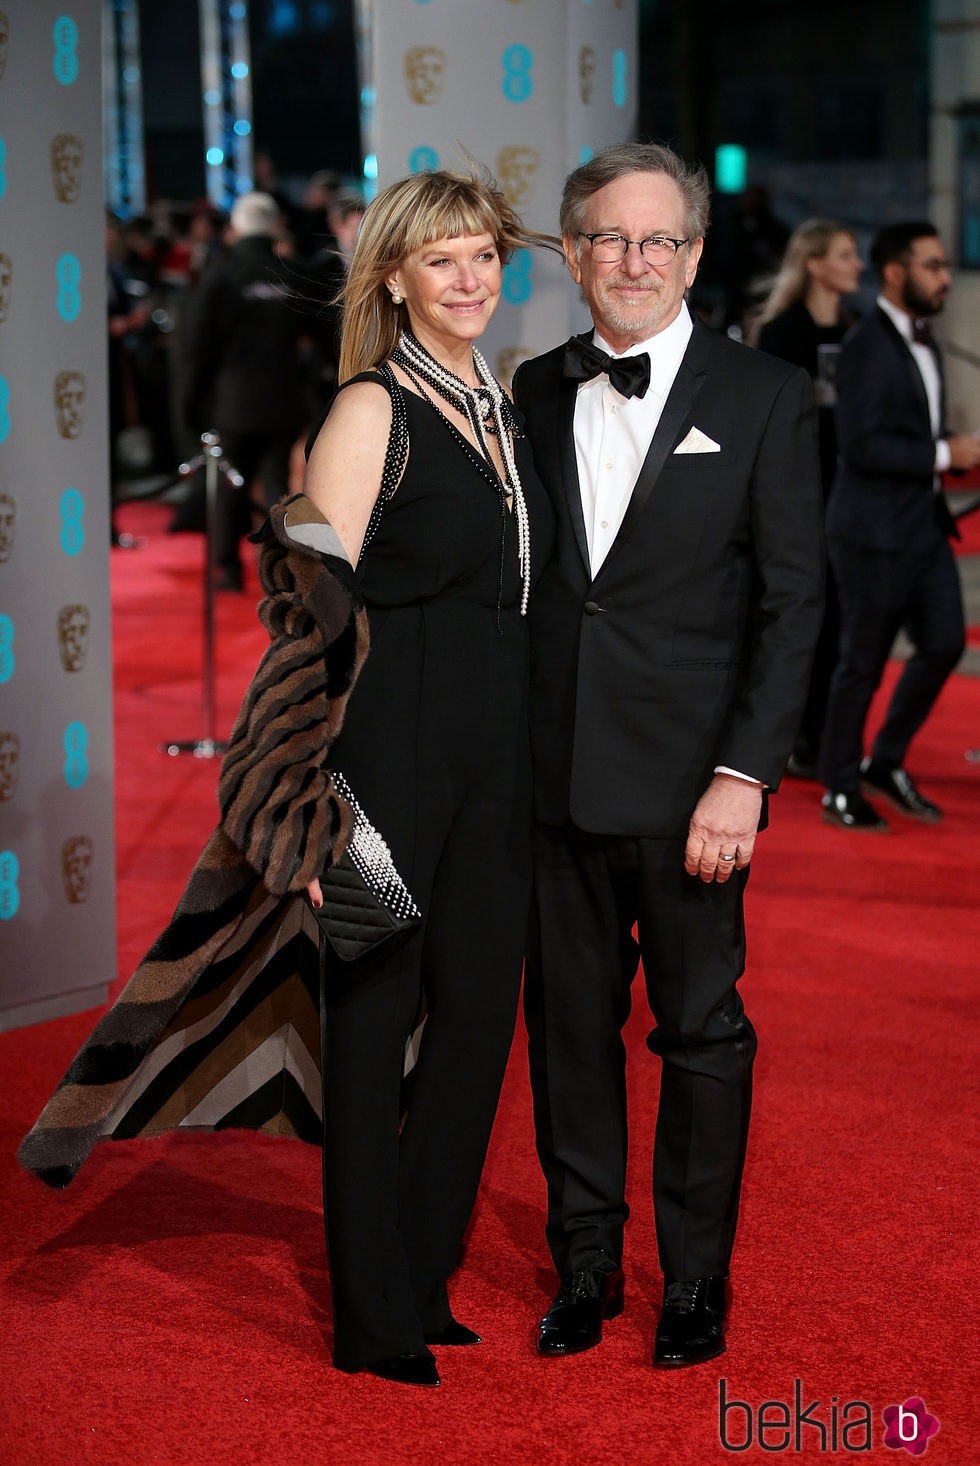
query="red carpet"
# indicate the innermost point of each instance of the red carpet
(172, 1305)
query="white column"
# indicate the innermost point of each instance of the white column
(57, 864)
(530, 88)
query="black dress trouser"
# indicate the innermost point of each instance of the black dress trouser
(880, 595)
(256, 456)
(589, 891)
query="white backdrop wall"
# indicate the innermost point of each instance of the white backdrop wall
(528, 87)
(57, 904)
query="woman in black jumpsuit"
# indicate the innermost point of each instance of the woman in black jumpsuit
(435, 748)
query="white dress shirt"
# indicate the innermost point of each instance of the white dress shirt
(925, 360)
(613, 433)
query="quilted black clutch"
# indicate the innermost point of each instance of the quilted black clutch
(366, 904)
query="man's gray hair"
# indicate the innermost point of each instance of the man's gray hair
(256, 213)
(625, 158)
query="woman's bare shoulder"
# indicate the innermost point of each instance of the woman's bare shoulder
(359, 419)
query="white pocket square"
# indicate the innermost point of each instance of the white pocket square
(698, 442)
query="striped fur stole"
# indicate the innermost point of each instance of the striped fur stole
(219, 1024)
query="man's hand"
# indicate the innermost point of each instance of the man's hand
(964, 451)
(724, 824)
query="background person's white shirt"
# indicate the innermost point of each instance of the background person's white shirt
(928, 371)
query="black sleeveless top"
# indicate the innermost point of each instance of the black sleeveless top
(444, 689)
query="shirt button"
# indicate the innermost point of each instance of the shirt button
(613, 411)
(610, 465)
(604, 524)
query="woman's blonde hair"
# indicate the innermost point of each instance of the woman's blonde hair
(404, 217)
(809, 241)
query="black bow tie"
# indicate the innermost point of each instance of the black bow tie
(630, 375)
(922, 333)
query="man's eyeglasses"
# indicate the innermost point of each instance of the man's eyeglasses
(657, 249)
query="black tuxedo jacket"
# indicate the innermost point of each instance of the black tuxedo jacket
(883, 496)
(691, 647)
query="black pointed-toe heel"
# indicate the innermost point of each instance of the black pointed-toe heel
(454, 1333)
(406, 1369)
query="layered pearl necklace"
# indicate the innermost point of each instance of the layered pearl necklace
(488, 412)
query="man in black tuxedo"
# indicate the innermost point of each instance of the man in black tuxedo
(888, 531)
(672, 636)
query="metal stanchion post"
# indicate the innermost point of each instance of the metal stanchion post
(214, 466)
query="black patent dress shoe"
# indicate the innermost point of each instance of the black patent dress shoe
(454, 1333)
(851, 812)
(692, 1323)
(899, 790)
(574, 1321)
(406, 1369)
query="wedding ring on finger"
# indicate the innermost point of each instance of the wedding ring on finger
(726, 858)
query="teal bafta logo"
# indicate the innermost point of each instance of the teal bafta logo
(9, 894)
(423, 159)
(518, 83)
(68, 273)
(518, 281)
(75, 744)
(72, 507)
(65, 50)
(7, 659)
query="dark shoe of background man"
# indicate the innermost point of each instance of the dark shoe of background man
(692, 1323)
(899, 790)
(851, 812)
(574, 1321)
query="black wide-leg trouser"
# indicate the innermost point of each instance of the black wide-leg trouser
(589, 892)
(402, 1160)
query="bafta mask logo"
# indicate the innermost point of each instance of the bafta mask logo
(76, 868)
(516, 169)
(9, 759)
(6, 279)
(73, 624)
(67, 154)
(69, 403)
(8, 523)
(586, 73)
(425, 68)
(508, 360)
(4, 38)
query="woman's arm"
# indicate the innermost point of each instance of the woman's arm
(343, 476)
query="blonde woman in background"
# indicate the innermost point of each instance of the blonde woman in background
(804, 320)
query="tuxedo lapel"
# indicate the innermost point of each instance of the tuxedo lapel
(567, 393)
(910, 366)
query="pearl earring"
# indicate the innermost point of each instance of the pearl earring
(396, 296)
